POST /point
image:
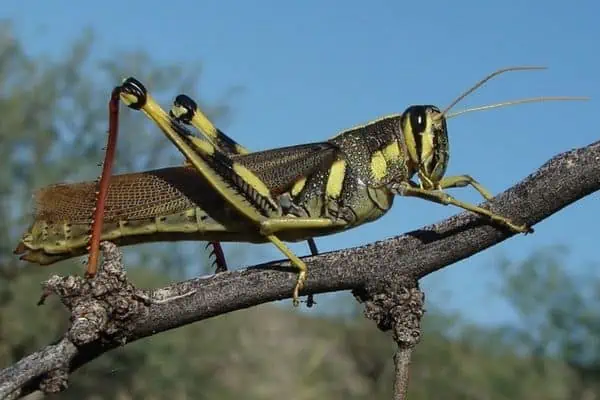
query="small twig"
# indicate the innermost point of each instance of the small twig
(402, 371)
(407, 334)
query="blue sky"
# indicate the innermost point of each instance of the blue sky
(312, 68)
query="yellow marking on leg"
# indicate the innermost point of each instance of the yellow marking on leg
(462, 181)
(251, 179)
(198, 120)
(205, 149)
(335, 180)
(298, 186)
(296, 262)
(202, 145)
(156, 113)
(201, 122)
(378, 165)
(273, 225)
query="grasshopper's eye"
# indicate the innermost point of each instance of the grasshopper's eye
(418, 119)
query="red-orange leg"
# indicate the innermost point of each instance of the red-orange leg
(102, 193)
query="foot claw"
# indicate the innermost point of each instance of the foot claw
(524, 229)
(298, 288)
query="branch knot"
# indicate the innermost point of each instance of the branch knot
(399, 308)
(101, 306)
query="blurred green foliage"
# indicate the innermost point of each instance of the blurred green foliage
(52, 128)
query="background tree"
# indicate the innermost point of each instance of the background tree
(558, 313)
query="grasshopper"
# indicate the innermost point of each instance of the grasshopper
(226, 193)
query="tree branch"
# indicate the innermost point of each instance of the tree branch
(403, 260)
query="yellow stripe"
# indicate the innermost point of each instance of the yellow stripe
(335, 181)
(202, 123)
(252, 180)
(203, 146)
(378, 165)
(298, 186)
(409, 139)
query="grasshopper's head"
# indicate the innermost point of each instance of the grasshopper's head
(425, 135)
(426, 139)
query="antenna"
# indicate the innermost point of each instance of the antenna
(505, 103)
(519, 101)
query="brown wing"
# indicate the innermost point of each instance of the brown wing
(280, 168)
(170, 190)
(136, 195)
